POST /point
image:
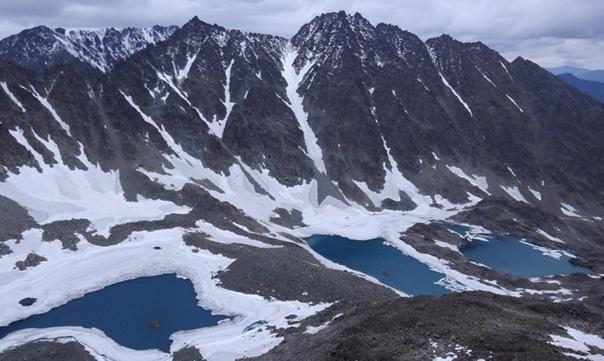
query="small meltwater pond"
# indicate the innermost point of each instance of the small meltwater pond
(510, 255)
(139, 314)
(381, 261)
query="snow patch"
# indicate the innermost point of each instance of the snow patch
(146, 118)
(46, 104)
(578, 342)
(60, 193)
(569, 210)
(182, 74)
(486, 77)
(550, 237)
(221, 124)
(456, 94)
(506, 69)
(553, 253)
(477, 181)
(535, 193)
(11, 96)
(514, 192)
(448, 357)
(450, 246)
(516, 104)
(394, 183)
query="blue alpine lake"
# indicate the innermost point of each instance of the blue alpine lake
(385, 263)
(509, 255)
(139, 314)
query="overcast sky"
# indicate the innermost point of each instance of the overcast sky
(550, 32)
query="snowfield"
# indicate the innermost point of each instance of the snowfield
(59, 193)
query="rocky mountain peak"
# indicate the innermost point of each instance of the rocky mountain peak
(333, 35)
(196, 25)
(337, 25)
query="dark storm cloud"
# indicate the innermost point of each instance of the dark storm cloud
(551, 32)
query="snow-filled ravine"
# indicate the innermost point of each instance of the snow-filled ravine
(140, 314)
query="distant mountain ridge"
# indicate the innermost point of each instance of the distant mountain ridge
(581, 73)
(592, 88)
(40, 47)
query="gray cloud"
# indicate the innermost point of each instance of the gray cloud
(550, 32)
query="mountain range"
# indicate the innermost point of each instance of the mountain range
(41, 47)
(109, 135)
(581, 73)
(589, 87)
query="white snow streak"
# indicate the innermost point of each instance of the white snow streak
(450, 246)
(550, 237)
(569, 210)
(516, 104)
(506, 69)
(168, 80)
(293, 79)
(514, 192)
(182, 74)
(20, 138)
(486, 77)
(477, 181)
(12, 96)
(44, 101)
(535, 193)
(184, 96)
(221, 124)
(145, 117)
(456, 94)
(311, 330)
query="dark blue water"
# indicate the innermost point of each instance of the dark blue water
(511, 256)
(139, 314)
(386, 263)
